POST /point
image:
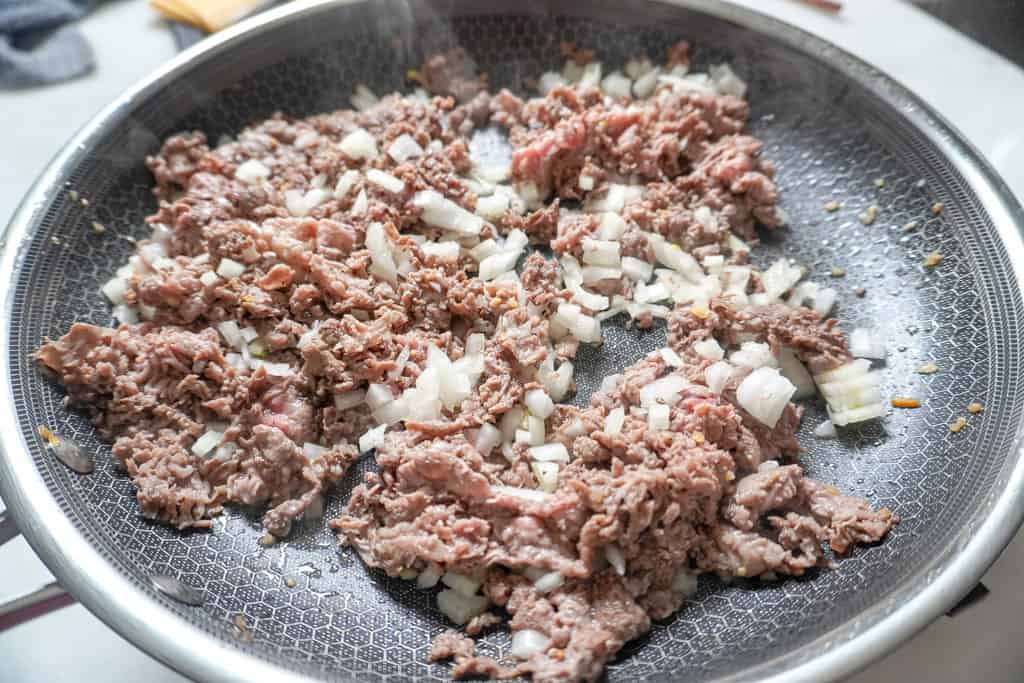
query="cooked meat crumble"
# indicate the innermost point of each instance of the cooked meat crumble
(348, 283)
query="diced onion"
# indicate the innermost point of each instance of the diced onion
(207, 442)
(709, 348)
(617, 85)
(115, 289)
(672, 256)
(349, 399)
(510, 422)
(548, 81)
(252, 172)
(552, 452)
(125, 314)
(498, 264)
(539, 403)
(385, 181)
(726, 81)
(545, 583)
(493, 207)
(635, 269)
(665, 390)
(209, 278)
(363, 98)
(535, 426)
(546, 474)
(530, 495)
(671, 358)
(592, 274)
(441, 250)
(612, 226)
(601, 252)
(232, 335)
(300, 203)
(229, 269)
(429, 577)
(313, 450)
(373, 438)
(591, 77)
(716, 375)
(404, 148)
(587, 299)
(764, 393)
(658, 417)
(377, 395)
(461, 583)
(866, 343)
(527, 643)
(793, 370)
(780, 277)
(461, 608)
(613, 553)
(438, 211)
(753, 355)
(826, 430)
(614, 420)
(346, 182)
(487, 438)
(358, 144)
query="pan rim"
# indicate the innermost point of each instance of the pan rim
(141, 620)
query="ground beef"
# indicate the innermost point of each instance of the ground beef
(269, 319)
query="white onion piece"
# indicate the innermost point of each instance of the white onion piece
(498, 264)
(665, 390)
(125, 314)
(535, 426)
(349, 399)
(360, 205)
(486, 248)
(592, 274)
(510, 422)
(601, 252)
(671, 358)
(612, 226)
(587, 299)
(313, 450)
(672, 256)
(826, 430)
(824, 300)
(429, 577)
(551, 452)
(613, 553)
(734, 282)
(207, 442)
(793, 370)
(658, 417)
(461, 583)
(716, 375)
(646, 294)
(209, 278)
(591, 77)
(487, 438)
(726, 81)
(614, 420)
(614, 199)
(378, 395)
(539, 403)
(275, 369)
(586, 183)
(571, 71)
(548, 81)
(530, 495)
(527, 643)
(764, 393)
(644, 85)
(635, 269)
(358, 144)
(854, 415)
(438, 211)
(115, 289)
(709, 348)
(866, 343)
(232, 335)
(559, 383)
(229, 268)
(714, 264)
(403, 148)
(346, 182)
(523, 436)
(780, 277)
(545, 583)
(684, 582)
(546, 474)
(493, 207)
(460, 608)
(610, 382)
(617, 85)
(635, 68)
(385, 181)
(252, 172)
(753, 355)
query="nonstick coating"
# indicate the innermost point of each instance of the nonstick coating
(832, 128)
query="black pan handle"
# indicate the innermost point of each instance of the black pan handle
(31, 605)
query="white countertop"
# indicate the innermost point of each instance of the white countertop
(949, 70)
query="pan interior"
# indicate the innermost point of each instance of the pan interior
(830, 137)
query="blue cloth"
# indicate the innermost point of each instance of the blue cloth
(39, 43)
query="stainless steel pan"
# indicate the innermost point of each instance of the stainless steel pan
(832, 124)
